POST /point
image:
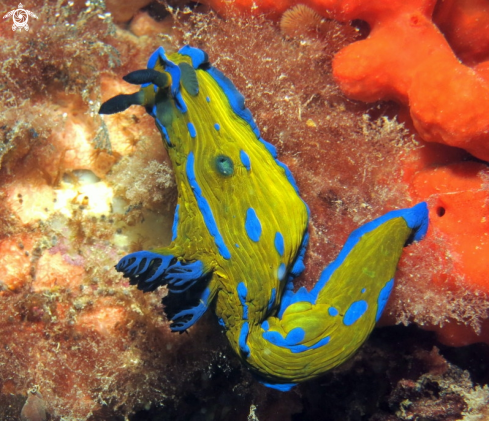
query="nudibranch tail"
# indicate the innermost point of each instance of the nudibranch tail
(240, 233)
(325, 326)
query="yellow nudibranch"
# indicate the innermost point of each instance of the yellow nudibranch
(240, 233)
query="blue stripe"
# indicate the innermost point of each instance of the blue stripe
(175, 224)
(243, 337)
(205, 209)
(384, 294)
(242, 293)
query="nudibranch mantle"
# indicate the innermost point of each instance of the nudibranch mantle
(240, 233)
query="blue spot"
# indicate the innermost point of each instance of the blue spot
(220, 320)
(271, 302)
(265, 325)
(207, 99)
(252, 225)
(332, 311)
(384, 294)
(242, 292)
(175, 224)
(217, 127)
(282, 387)
(279, 243)
(191, 130)
(356, 310)
(364, 290)
(295, 336)
(245, 159)
(292, 340)
(281, 272)
(237, 245)
(205, 209)
(243, 337)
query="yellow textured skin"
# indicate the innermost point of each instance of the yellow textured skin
(234, 259)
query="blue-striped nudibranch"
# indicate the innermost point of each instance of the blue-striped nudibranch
(240, 233)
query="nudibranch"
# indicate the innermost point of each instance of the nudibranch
(240, 233)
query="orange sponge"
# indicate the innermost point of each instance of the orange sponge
(459, 206)
(407, 58)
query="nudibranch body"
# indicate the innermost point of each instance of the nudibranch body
(240, 233)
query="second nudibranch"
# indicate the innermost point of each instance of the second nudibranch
(240, 233)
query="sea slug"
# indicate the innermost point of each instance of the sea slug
(240, 233)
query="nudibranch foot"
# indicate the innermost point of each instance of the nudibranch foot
(149, 270)
(240, 233)
(189, 292)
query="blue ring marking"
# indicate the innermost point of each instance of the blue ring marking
(356, 310)
(294, 337)
(245, 159)
(191, 130)
(243, 336)
(253, 225)
(217, 127)
(302, 348)
(197, 55)
(207, 99)
(175, 223)
(279, 243)
(293, 340)
(282, 387)
(271, 301)
(384, 294)
(333, 311)
(265, 325)
(281, 272)
(205, 209)
(242, 292)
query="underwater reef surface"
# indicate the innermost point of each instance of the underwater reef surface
(79, 191)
